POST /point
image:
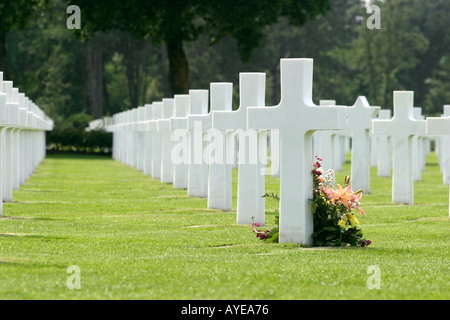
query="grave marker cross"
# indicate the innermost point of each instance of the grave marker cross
(219, 178)
(383, 149)
(401, 128)
(297, 117)
(178, 124)
(250, 178)
(197, 168)
(438, 126)
(166, 142)
(359, 123)
(152, 126)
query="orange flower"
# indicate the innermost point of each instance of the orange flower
(342, 194)
(345, 195)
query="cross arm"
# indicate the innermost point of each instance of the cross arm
(178, 123)
(223, 120)
(438, 126)
(263, 118)
(328, 118)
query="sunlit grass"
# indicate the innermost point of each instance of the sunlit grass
(136, 238)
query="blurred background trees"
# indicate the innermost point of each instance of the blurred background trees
(116, 63)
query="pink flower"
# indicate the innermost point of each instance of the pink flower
(346, 196)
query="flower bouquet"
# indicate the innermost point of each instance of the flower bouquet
(270, 234)
(335, 223)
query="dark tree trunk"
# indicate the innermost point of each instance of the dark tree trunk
(95, 77)
(178, 65)
(3, 48)
(133, 77)
(131, 49)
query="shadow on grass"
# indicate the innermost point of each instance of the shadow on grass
(13, 263)
(75, 156)
(27, 218)
(28, 236)
(30, 264)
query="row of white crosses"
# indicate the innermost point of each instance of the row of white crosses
(296, 118)
(442, 146)
(206, 169)
(22, 139)
(330, 147)
(382, 148)
(441, 126)
(99, 124)
(401, 129)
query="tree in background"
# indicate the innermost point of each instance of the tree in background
(432, 19)
(315, 39)
(173, 22)
(47, 62)
(14, 14)
(439, 87)
(381, 59)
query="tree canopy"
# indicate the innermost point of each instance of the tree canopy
(50, 64)
(173, 22)
(14, 14)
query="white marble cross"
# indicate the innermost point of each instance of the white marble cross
(147, 140)
(250, 176)
(132, 135)
(383, 148)
(178, 124)
(401, 128)
(297, 117)
(444, 151)
(12, 108)
(337, 155)
(141, 128)
(22, 139)
(359, 123)
(220, 172)
(3, 123)
(438, 126)
(128, 139)
(418, 148)
(198, 120)
(152, 126)
(166, 142)
(323, 142)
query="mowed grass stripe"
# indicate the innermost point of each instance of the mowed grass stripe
(134, 237)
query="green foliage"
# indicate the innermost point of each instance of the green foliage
(172, 22)
(327, 231)
(271, 195)
(439, 93)
(71, 136)
(16, 13)
(48, 63)
(79, 141)
(269, 235)
(273, 234)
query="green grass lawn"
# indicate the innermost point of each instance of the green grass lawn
(136, 238)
